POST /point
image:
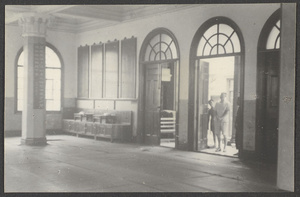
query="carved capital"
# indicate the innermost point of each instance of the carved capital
(35, 25)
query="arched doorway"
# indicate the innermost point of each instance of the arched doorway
(216, 66)
(158, 88)
(268, 68)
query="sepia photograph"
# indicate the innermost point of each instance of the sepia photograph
(147, 98)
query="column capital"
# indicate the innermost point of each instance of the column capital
(35, 25)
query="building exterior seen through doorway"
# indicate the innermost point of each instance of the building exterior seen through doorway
(217, 75)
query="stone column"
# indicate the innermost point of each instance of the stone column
(286, 130)
(34, 112)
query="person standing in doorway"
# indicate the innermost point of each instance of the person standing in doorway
(222, 109)
(210, 122)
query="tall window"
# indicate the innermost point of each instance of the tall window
(52, 83)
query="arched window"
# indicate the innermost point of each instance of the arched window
(160, 47)
(52, 84)
(219, 39)
(273, 41)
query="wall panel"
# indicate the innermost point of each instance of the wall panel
(111, 70)
(96, 70)
(128, 68)
(83, 72)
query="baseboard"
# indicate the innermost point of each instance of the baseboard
(54, 132)
(18, 133)
(13, 133)
(34, 141)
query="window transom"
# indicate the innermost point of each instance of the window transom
(160, 47)
(273, 41)
(219, 39)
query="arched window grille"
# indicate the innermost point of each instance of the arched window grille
(52, 80)
(160, 47)
(273, 41)
(219, 39)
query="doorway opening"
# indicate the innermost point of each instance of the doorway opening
(161, 103)
(267, 107)
(216, 42)
(215, 76)
(158, 89)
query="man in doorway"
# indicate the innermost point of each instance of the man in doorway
(222, 109)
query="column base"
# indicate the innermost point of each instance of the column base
(34, 141)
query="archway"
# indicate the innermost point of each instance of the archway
(217, 43)
(268, 71)
(158, 88)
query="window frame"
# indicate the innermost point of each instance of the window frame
(159, 32)
(61, 80)
(216, 35)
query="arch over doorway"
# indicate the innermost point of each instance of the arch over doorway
(158, 85)
(268, 72)
(217, 37)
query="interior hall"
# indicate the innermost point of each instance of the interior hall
(150, 98)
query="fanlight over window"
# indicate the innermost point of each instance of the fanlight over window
(161, 47)
(217, 40)
(273, 41)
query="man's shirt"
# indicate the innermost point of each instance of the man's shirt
(220, 109)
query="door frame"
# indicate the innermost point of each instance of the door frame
(141, 84)
(261, 50)
(192, 145)
(142, 96)
(196, 99)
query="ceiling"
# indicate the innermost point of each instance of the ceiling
(80, 18)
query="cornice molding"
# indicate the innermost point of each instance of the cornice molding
(36, 24)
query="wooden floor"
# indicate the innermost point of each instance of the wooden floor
(71, 164)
